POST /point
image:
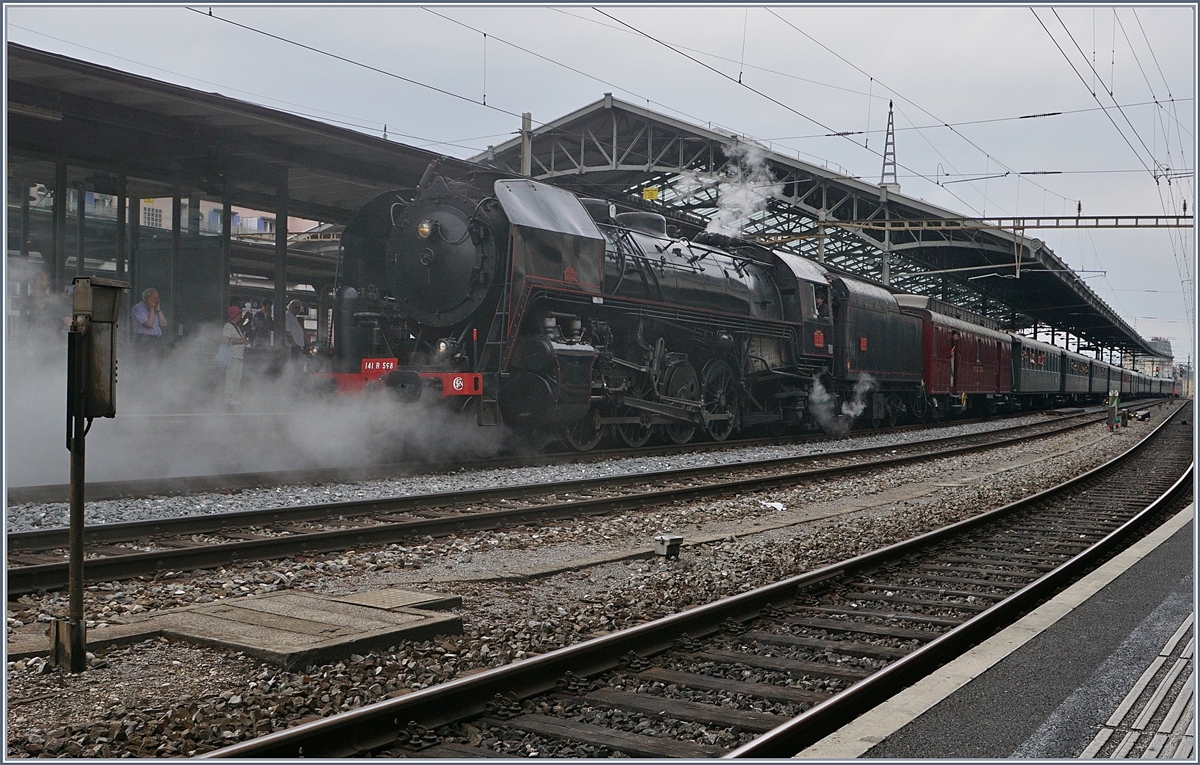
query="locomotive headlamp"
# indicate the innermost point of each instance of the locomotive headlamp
(425, 228)
(446, 346)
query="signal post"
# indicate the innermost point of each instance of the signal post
(91, 393)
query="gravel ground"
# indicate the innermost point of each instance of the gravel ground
(158, 698)
(31, 516)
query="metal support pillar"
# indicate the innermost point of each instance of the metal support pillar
(885, 257)
(80, 227)
(135, 238)
(226, 246)
(527, 145)
(59, 227)
(281, 232)
(821, 226)
(25, 218)
(176, 250)
(195, 217)
(122, 224)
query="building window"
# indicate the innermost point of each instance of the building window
(152, 216)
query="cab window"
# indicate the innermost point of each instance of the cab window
(817, 302)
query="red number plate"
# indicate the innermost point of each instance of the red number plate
(378, 366)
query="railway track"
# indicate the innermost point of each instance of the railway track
(775, 669)
(37, 559)
(139, 488)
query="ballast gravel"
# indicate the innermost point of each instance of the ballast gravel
(30, 516)
(160, 698)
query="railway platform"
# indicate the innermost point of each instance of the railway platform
(1105, 670)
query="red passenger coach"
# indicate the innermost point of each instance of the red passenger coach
(965, 365)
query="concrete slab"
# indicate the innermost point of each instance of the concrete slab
(289, 628)
(392, 598)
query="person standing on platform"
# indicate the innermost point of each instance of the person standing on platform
(232, 335)
(294, 335)
(148, 322)
(261, 325)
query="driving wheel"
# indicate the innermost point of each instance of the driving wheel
(585, 434)
(682, 383)
(719, 399)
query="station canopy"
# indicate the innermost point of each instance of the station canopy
(159, 130)
(646, 160)
(131, 126)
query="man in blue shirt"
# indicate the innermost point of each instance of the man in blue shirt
(148, 322)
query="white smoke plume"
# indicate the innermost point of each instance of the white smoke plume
(821, 404)
(170, 419)
(689, 184)
(745, 190)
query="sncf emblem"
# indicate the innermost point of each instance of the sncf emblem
(458, 383)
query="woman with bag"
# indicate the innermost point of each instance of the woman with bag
(229, 354)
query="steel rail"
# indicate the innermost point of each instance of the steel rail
(136, 488)
(376, 726)
(48, 576)
(826, 717)
(142, 487)
(45, 539)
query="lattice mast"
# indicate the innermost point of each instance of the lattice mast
(888, 176)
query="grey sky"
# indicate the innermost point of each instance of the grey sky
(940, 64)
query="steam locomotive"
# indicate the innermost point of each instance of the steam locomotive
(519, 303)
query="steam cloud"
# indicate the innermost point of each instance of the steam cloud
(170, 421)
(746, 191)
(743, 191)
(821, 404)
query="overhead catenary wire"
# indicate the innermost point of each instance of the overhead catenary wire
(900, 96)
(1085, 84)
(708, 54)
(987, 121)
(1119, 109)
(1138, 61)
(758, 92)
(568, 67)
(987, 155)
(352, 62)
(745, 26)
(1182, 262)
(384, 72)
(308, 111)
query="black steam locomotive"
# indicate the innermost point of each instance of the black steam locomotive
(522, 304)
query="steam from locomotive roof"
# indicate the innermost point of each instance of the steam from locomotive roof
(746, 191)
(743, 191)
